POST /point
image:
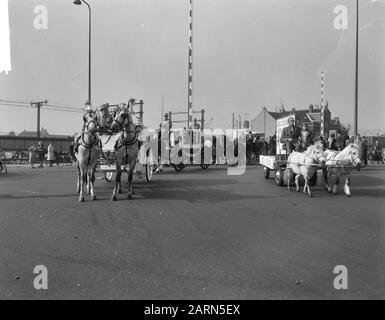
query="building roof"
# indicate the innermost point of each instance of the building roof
(300, 115)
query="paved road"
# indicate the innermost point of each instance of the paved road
(197, 235)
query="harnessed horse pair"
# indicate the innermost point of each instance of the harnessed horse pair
(332, 162)
(88, 149)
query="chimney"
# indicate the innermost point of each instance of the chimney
(311, 109)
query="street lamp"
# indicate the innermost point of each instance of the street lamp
(356, 79)
(79, 2)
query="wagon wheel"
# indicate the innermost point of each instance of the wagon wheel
(204, 166)
(176, 167)
(149, 169)
(279, 177)
(266, 172)
(4, 169)
(313, 179)
(108, 175)
(179, 167)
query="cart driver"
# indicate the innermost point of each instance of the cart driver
(290, 136)
(106, 118)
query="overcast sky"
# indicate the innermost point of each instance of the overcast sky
(247, 54)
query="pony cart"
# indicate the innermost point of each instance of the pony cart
(278, 165)
(107, 162)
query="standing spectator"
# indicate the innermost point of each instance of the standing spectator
(350, 140)
(41, 153)
(324, 142)
(358, 142)
(50, 154)
(266, 148)
(273, 145)
(365, 151)
(32, 155)
(306, 137)
(341, 141)
(333, 142)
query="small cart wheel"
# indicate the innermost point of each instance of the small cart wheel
(204, 166)
(108, 175)
(279, 177)
(266, 172)
(149, 170)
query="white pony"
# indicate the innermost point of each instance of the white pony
(305, 164)
(340, 163)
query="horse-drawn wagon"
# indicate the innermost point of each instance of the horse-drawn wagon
(278, 164)
(107, 162)
(189, 142)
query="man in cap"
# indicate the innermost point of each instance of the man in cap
(106, 117)
(290, 135)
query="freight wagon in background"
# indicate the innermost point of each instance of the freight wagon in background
(21, 144)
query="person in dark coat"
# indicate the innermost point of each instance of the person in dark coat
(290, 136)
(273, 145)
(340, 141)
(41, 154)
(324, 142)
(306, 137)
(333, 142)
(365, 151)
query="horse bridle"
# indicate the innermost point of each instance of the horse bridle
(354, 159)
(125, 142)
(124, 116)
(316, 157)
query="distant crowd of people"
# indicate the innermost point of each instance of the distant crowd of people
(37, 154)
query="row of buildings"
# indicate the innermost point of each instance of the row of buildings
(265, 122)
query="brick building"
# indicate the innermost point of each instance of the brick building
(265, 121)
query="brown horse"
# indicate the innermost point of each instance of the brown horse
(126, 148)
(87, 150)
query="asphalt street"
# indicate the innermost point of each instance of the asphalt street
(190, 235)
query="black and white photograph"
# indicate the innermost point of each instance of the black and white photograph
(192, 155)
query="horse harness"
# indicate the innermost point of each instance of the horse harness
(95, 143)
(122, 142)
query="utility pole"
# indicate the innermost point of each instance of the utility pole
(190, 68)
(37, 105)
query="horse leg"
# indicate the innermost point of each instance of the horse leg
(337, 182)
(79, 179)
(289, 176)
(329, 174)
(88, 181)
(297, 183)
(82, 181)
(92, 184)
(120, 186)
(326, 179)
(347, 184)
(308, 189)
(130, 188)
(117, 181)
